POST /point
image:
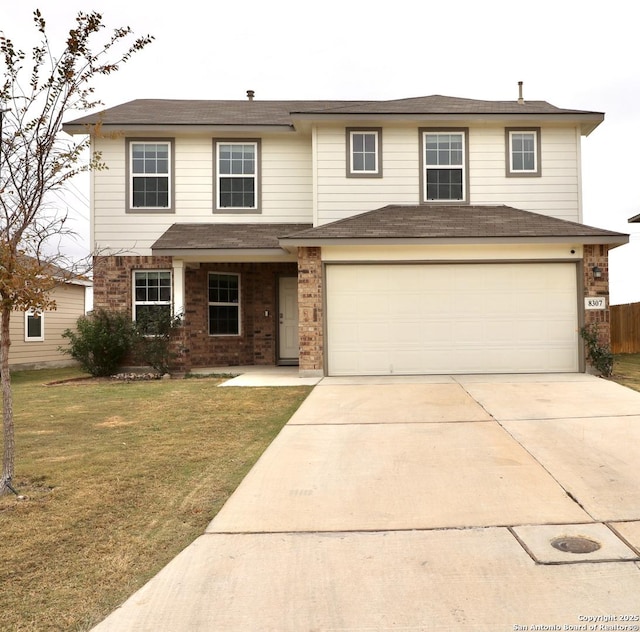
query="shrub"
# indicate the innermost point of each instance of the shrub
(101, 342)
(152, 339)
(600, 355)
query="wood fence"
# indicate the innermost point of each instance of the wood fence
(625, 328)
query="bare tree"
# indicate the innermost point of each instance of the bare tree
(37, 93)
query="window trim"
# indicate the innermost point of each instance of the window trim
(351, 172)
(231, 210)
(135, 303)
(31, 313)
(129, 208)
(238, 304)
(423, 131)
(510, 172)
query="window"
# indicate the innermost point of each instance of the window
(224, 304)
(523, 152)
(237, 164)
(444, 165)
(364, 153)
(33, 326)
(151, 297)
(149, 167)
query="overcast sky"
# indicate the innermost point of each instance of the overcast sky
(567, 52)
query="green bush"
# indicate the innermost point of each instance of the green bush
(600, 355)
(102, 341)
(152, 339)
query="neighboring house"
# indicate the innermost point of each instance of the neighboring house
(37, 337)
(421, 235)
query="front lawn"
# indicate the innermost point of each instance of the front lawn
(118, 478)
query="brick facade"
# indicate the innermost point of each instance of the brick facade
(113, 278)
(311, 327)
(257, 342)
(597, 255)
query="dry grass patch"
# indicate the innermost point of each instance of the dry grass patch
(626, 370)
(119, 477)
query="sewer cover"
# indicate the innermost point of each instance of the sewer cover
(574, 544)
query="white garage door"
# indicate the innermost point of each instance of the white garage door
(453, 318)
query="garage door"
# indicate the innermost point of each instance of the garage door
(453, 318)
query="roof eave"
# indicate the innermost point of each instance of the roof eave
(194, 253)
(73, 281)
(587, 121)
(173, 128)
(611, 240)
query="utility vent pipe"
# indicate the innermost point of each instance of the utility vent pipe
(520, 99)
(250, 95)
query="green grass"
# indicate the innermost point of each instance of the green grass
(118, 478)
(626, 370)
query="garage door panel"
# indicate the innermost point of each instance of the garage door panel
(408, 332)
(372, 333)
(467, 331)
(344, 333)
(453, 318)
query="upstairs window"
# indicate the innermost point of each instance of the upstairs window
(523, 152)
(364, 153)
(237, 166)
(151, 298)
(149, 166)
(224, 304)
(33, 326)
(444, 166)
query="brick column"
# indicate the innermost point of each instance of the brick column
(597, 255)
(310, 314)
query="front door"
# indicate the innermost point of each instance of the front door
(289, 349)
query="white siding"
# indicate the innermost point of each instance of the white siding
(340, 197)
(555, 193)
(286, 191)
(288, 187)
(458, 252)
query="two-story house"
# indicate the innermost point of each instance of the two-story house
(411, 236)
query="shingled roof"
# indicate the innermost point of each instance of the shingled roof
(198, 237)
(144, 112)
(400, 224)
(464, 223)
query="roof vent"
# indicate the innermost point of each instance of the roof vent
(250, 95)
(520, 99)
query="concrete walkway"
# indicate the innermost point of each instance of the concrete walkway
(423, 503)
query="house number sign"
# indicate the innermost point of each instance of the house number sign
(595, 302)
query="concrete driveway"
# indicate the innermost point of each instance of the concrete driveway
(423, 504)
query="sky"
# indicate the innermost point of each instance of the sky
(568, 52)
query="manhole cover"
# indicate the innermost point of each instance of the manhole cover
(574, 544)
